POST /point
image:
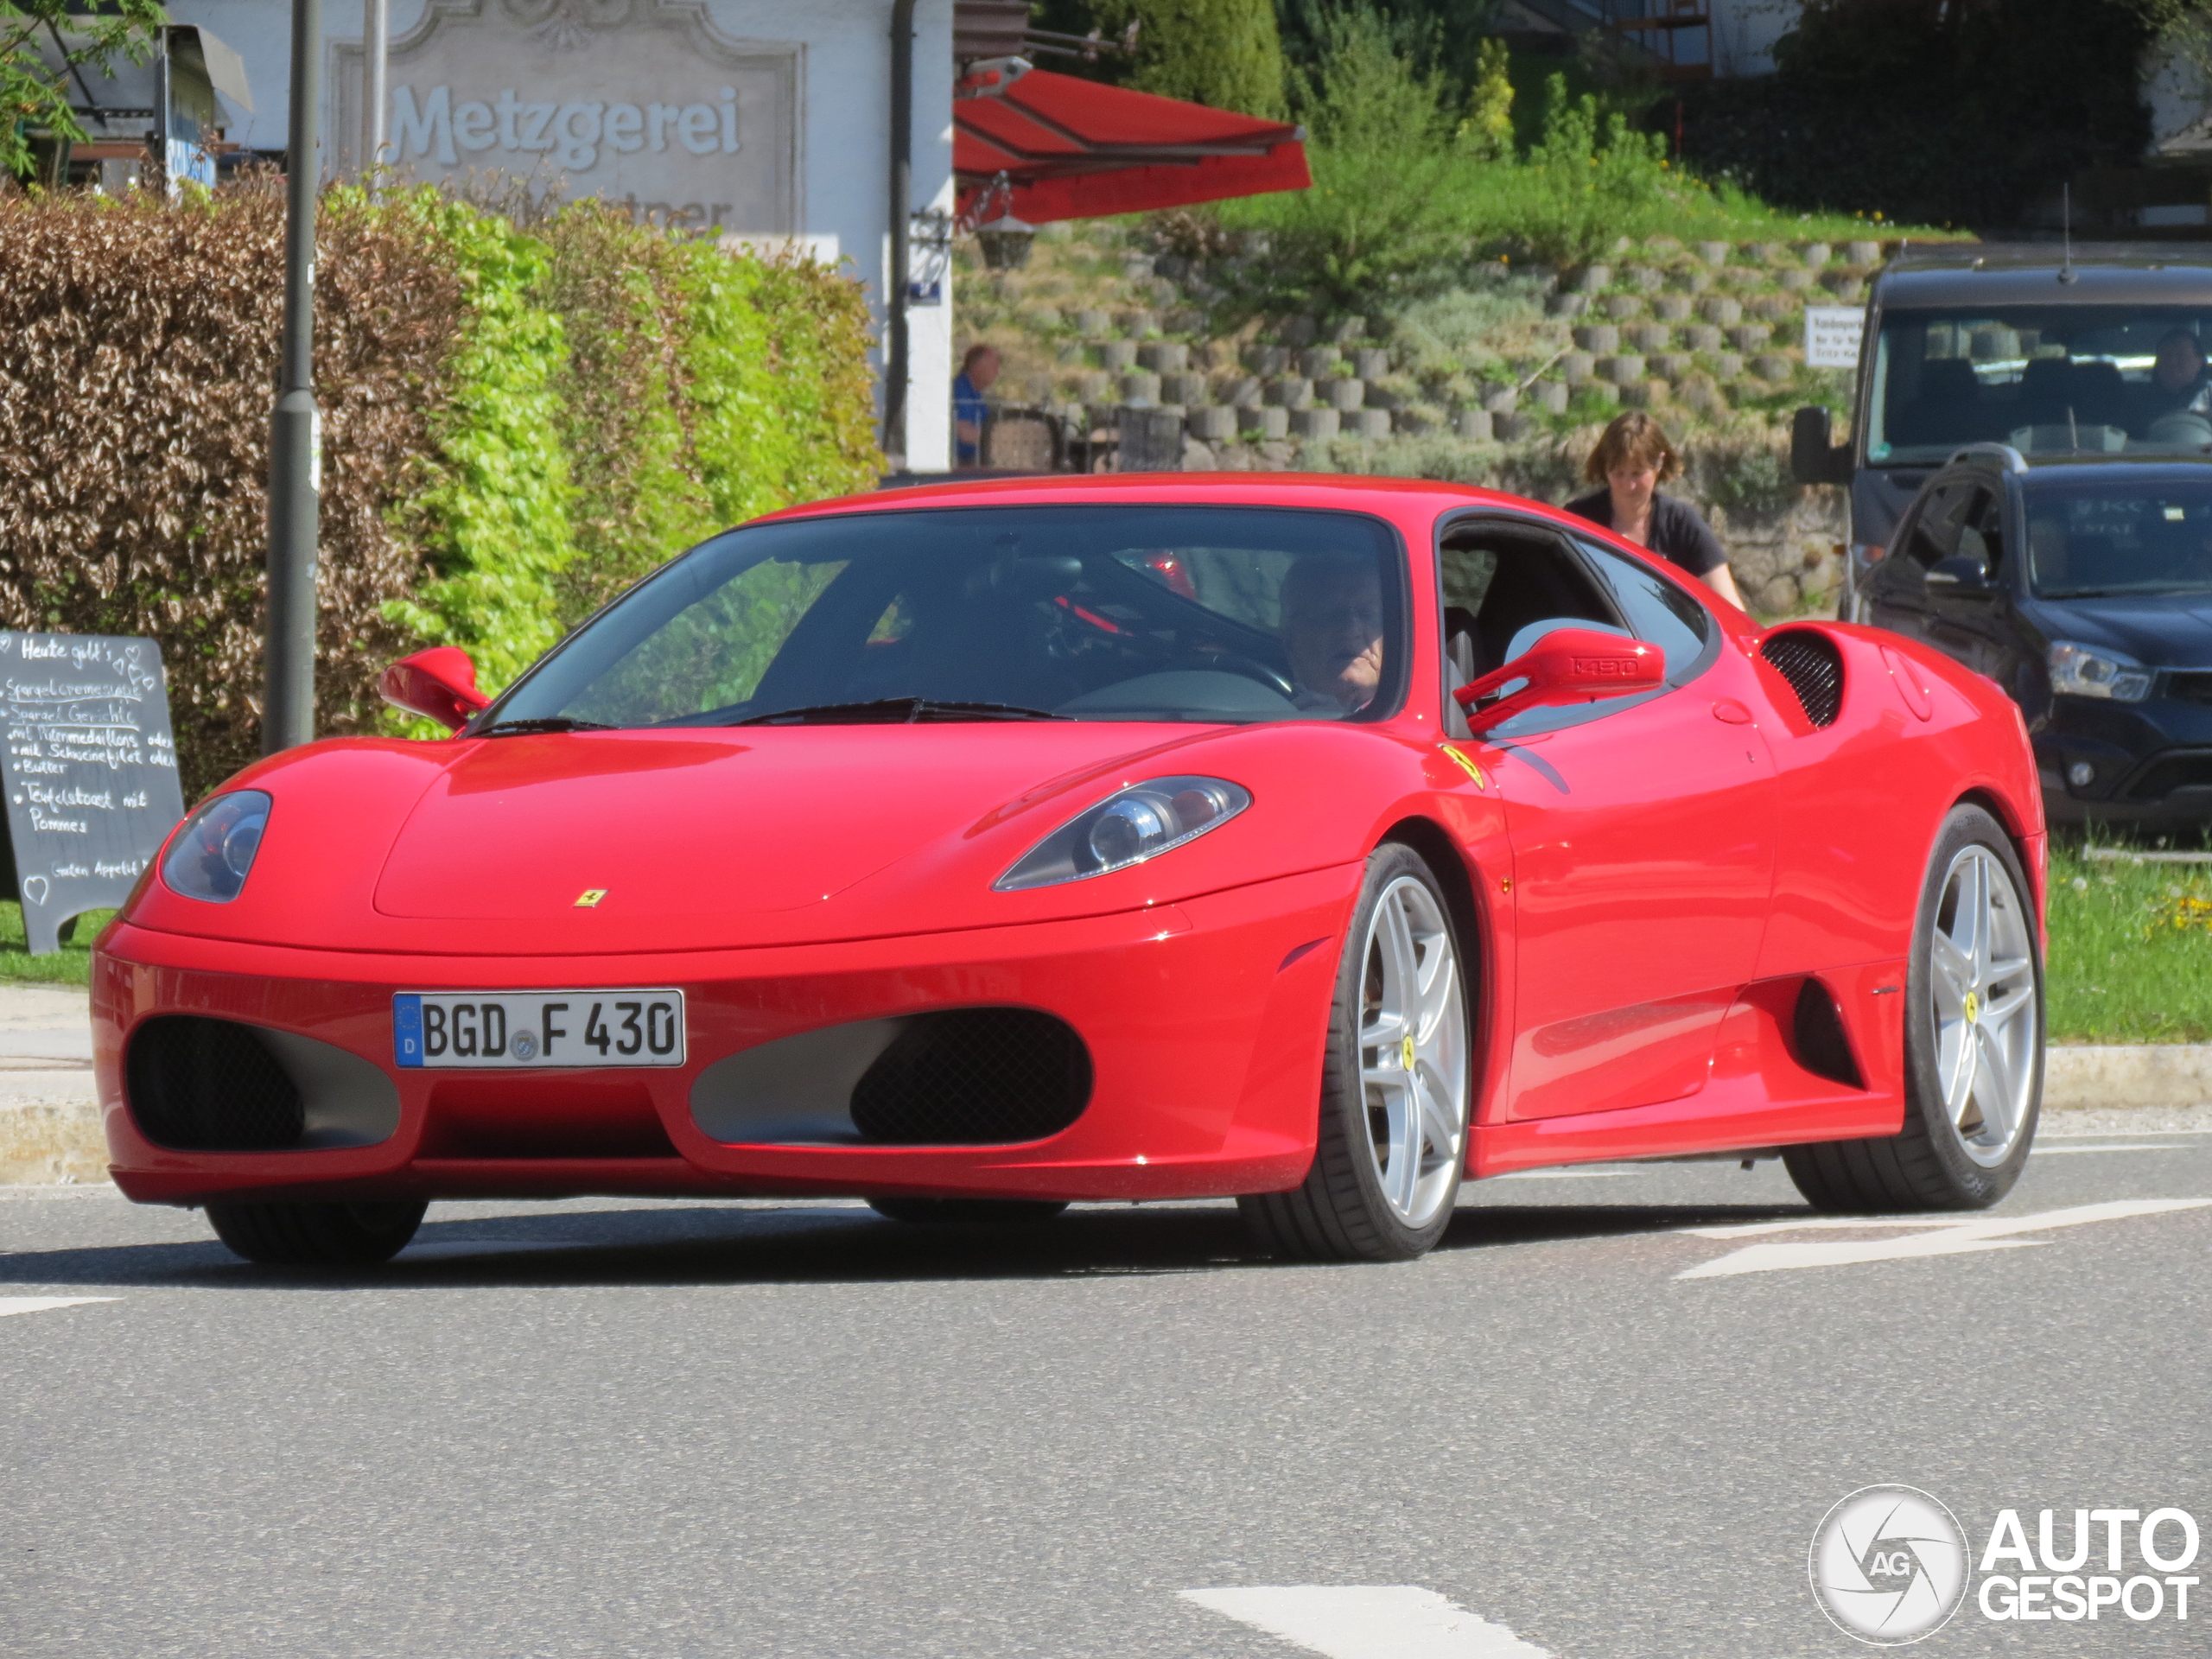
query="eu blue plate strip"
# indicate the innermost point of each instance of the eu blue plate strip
(407, 1030)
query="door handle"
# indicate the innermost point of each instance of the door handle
(1731, 711)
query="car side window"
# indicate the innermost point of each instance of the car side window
(1935, 533)
(1658, 613)
(1504, 583)
(1982, 534)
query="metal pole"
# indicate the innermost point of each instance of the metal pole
(895, 369)
(295, 428)
(376, 49)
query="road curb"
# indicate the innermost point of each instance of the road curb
(45, 1141)
(50, 1129)
(2082, 1076)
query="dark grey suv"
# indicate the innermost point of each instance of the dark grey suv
(2084, 586)
(2101, 353)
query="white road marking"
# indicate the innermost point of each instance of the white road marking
(40, 1304)
(2132, 1145)
(1950, 1237)
(1349, 1621)
(1566, 1174)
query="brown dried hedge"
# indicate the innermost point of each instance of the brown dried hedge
(522, 414)
(139, 356)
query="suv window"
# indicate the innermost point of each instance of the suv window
(1935, 529)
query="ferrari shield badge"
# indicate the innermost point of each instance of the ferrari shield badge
(1465, 765)
(589, 898)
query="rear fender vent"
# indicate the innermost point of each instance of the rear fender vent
(975, 1077)
(1810, 661)
(1817, 1040)
(210, 1085)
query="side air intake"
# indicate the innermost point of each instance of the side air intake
(1810, 662)
(198, 1084)
(975, 1077)
(208, 1085)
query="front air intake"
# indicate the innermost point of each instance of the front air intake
(974, 1077)
(1810, 662)
(211, 1085)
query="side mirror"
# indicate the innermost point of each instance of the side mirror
(1814, 456)
(1961, 573)
(1566, 665)
(439, 685)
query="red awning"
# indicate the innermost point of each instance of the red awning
(1077, 149)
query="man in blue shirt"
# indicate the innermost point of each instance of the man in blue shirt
(977, 370)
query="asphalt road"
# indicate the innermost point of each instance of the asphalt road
(674, 1428)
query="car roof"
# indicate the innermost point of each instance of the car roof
(1344, 491)
(1944, 275)
(2035, 470)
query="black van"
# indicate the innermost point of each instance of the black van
(2101, 352)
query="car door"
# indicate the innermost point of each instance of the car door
(1896, 588)
(1964, 621)
(1641, 831)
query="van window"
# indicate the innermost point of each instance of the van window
(2047, 380)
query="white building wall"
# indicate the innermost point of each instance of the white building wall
(843, 139)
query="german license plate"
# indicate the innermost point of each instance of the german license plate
(534, 1029)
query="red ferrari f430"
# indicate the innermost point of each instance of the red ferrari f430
(976, 849)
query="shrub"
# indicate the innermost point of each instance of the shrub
(1387, 210)
(1223, 53)
(516, 422)
(137, 354)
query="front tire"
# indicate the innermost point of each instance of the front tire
(1395, 1083)
(317, 1235)
(1972, 1044)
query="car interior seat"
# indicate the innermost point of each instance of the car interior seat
(1948, 407)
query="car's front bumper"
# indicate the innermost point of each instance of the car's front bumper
(2150, 762)
(1204, 1023)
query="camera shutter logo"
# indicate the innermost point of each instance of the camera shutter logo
(1889, 1564)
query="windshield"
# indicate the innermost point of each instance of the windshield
(1075, 613)
(2050, 380)
(2145, 538)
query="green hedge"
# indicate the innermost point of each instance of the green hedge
(520, 419)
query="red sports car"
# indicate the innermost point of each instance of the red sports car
(978, 849)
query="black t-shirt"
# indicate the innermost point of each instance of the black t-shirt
(1678, 534)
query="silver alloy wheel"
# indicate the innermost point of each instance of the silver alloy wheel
(1413, 1051)
(1988, 1020)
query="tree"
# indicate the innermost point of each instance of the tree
(1223, 53)
(41, 43)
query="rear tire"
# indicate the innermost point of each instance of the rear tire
(969, 1212)
(1395, 1083)
(1972, 1044)
(317, 1235)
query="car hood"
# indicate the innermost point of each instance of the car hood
(2158, 630)
(642, 841)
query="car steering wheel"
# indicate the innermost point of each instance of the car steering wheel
(1249, 667)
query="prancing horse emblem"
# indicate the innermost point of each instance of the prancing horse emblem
(589, 898)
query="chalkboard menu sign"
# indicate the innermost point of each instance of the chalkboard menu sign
(90, 770)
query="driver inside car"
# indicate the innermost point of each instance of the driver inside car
(1332, 633)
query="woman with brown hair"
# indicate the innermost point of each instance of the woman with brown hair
(1633, 458)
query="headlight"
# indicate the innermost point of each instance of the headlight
(211, 854)
(2082, 672)
(1140, 822)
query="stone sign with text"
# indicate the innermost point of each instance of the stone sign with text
(643, 102)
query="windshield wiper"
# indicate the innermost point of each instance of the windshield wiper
(895, 711)
(549, 723)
